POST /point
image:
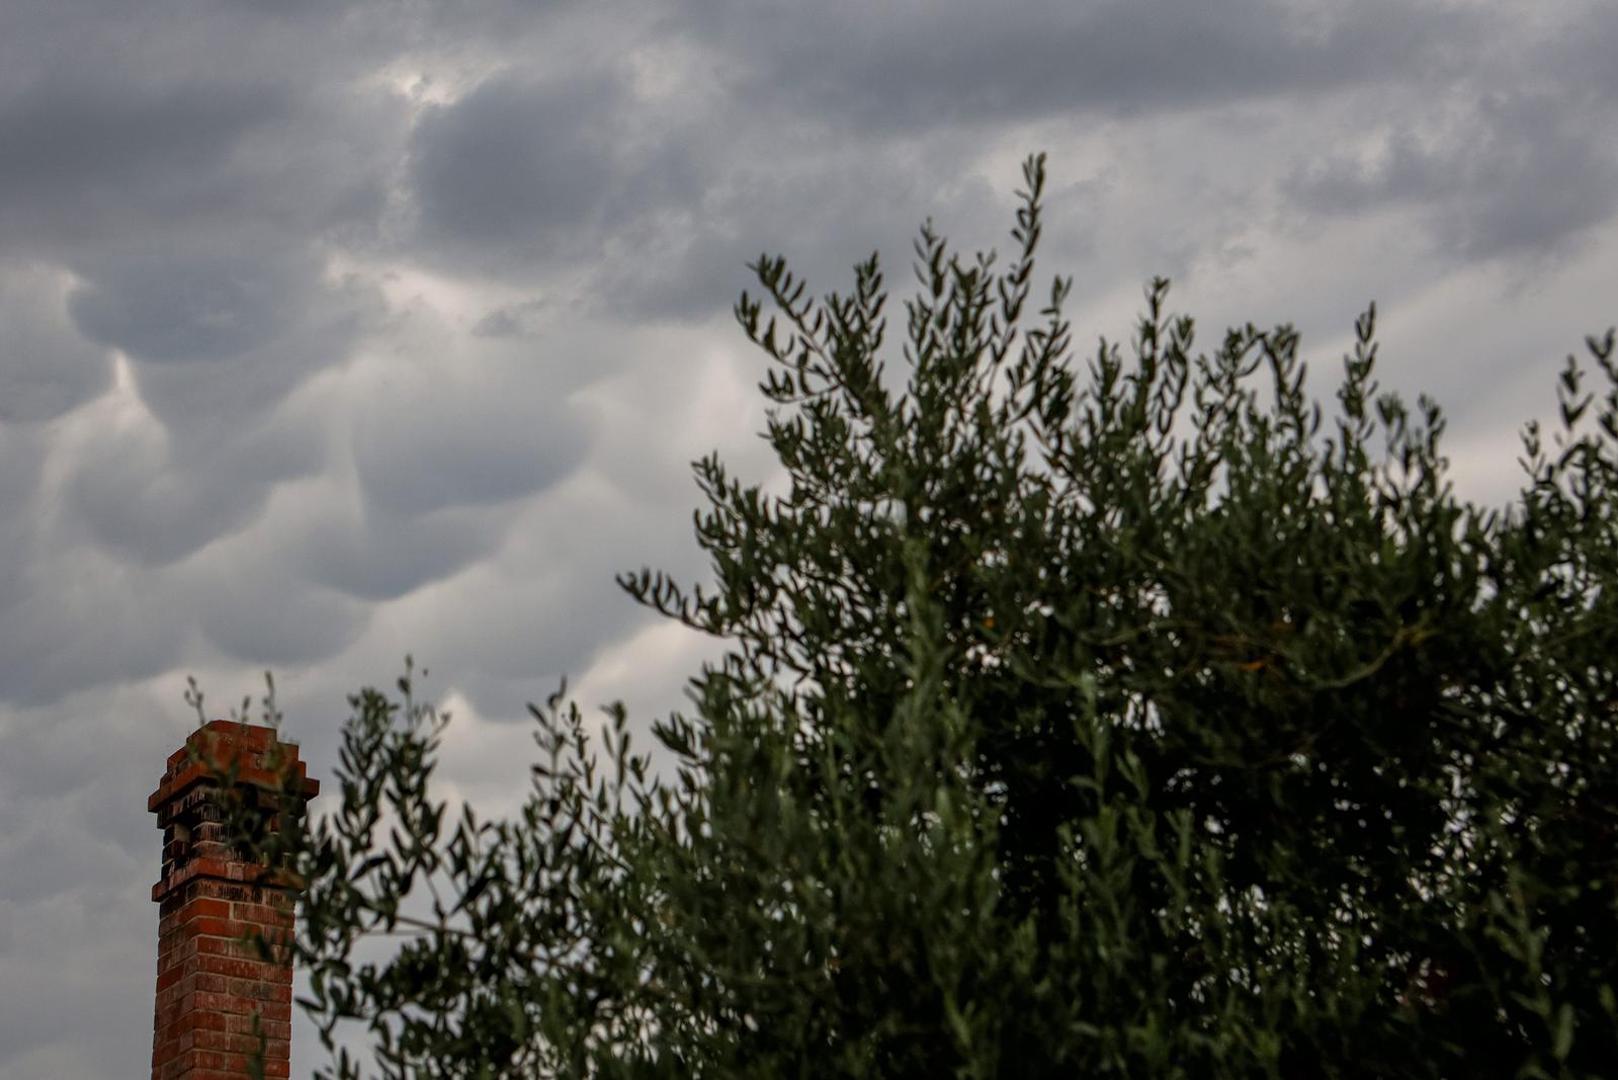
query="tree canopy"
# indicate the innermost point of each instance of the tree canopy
(1137, 715)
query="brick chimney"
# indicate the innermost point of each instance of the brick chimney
(211, 983)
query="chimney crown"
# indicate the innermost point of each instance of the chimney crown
(186, 802)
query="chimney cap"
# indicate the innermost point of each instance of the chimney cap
(261, 759)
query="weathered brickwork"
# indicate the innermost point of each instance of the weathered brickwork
(224, 923)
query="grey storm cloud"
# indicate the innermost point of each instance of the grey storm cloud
(454, 448)
(75, 156)
(263, 619)
(53, 642)
(908, 67)
(509, 320)
(537, 171)
(160, 308)
(374, 556)
(67, 782)
(331, 332)
(46, 366)
(153, 498)
(141, 509)
(224, 390)
(824, 219)
(22, 457)
(1518, 174)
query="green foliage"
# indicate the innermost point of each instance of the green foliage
(1137, 717)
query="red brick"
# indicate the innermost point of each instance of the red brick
(238, 969)
(174, 974)
(233, 947)
(268, 914)
(209, 926)
(272, 1010)
(224, 925)
(223, 1041)
(258, 991)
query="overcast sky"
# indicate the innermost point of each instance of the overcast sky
(332, 331)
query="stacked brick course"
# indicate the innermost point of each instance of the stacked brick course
(215, 984)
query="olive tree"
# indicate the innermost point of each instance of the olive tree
(1138, 714)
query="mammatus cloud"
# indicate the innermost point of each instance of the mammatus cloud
(544, 170)
(330, 333)
(46, 367)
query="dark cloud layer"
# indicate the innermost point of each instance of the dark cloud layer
(46, 367)
(164, 309)
(900, 68)
(1515, 173)
(512, 164)
(331, 332)
(537, 173)
(76, 154)
(456, 447)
